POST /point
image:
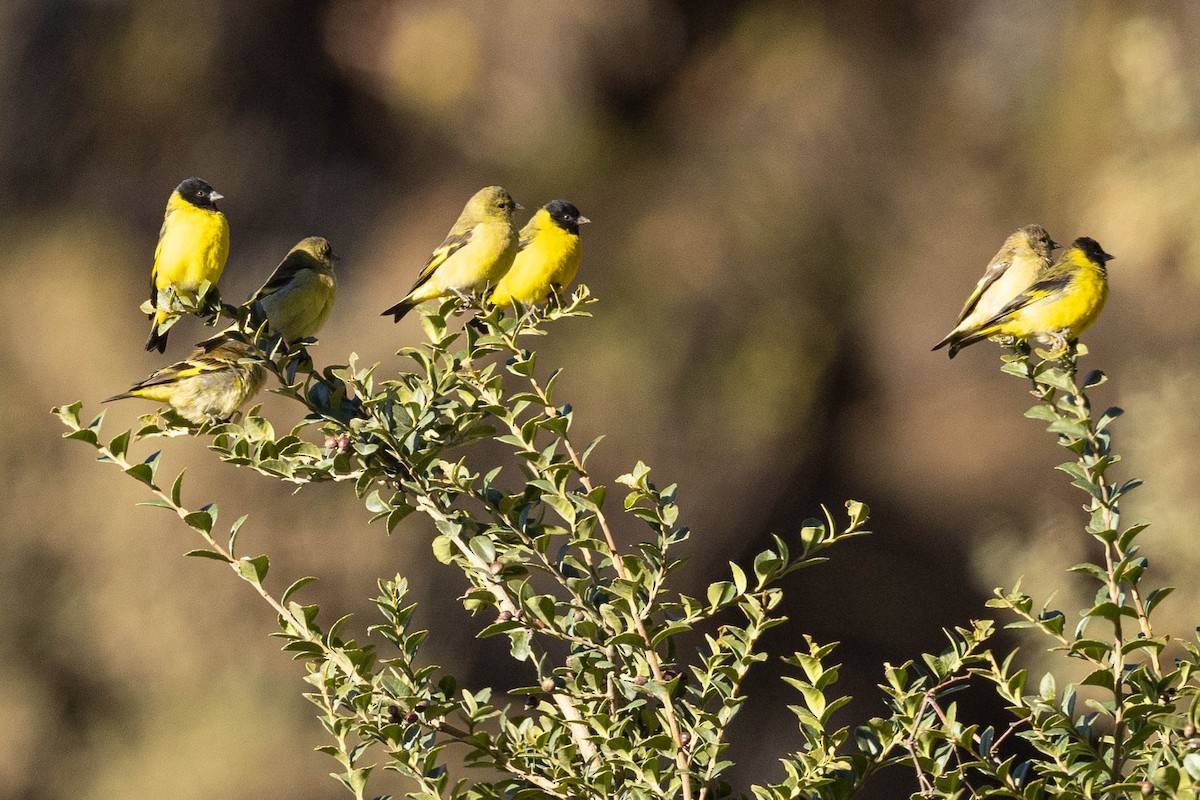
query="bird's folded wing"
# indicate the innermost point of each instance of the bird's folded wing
(991, 276)
(282, 275)
(453, 243)
(154, 267)
(1045, 287)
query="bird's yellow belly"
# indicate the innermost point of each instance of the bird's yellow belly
(1069, 314)
(481, 263)
(302, 311)
(537, 269)
(193, 250)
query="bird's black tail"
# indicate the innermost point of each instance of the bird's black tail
(399, 310)
(959, 342)
(157, 341)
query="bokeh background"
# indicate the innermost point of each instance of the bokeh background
(790, 202)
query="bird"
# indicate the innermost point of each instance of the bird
(474, 256)
(548, 254)
(1058, 307)
(299, 295)
(210, 385)
(1021, 260)
(193, 244)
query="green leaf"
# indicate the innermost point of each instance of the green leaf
(201, 521)
(444, 549)
(520, 640)
(83, 435)
(859, 512)
(766, 565)
(867, 741)
(1157, 596)
(720, 593)
(1043, 411)
(1100, 677)
(145, 471)
(668, 631)
(234, 530)
(374, 503)
(254, 569)
(1069, 428)
(635, 477)
(483, 547)
(119, 446)
(213, 554)
(739, 578)
(1129, 534)
(296, 585)
(1107, 417)
(68, 414)
(157, 502)
(563, 507)
(397, 513)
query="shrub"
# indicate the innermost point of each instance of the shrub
(612, 704)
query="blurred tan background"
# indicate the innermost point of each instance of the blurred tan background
(790, 202)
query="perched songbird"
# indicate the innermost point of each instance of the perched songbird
(1020, 261)
(1058, 307)
(299, 295)
(209, 385)
(548, 255)
(192, 247)
(476, 253)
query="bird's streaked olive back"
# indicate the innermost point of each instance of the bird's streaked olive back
(198, 193)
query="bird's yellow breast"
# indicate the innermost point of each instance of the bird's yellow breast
(551, 259)
(193, 247)
(300, 309)
(1070, 310)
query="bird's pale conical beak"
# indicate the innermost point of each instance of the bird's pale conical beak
(1054, 245)
(582, 220)
(518, 205)
(215, 196)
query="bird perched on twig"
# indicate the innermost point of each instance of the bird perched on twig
(548, 255)
(475, 254)
(210, 385)
(193, 244)
(298, 297)
(1058, 307)
(1023, 257)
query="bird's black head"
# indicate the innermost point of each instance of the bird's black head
(1092, 249)
(199, 194)
(565, 215)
